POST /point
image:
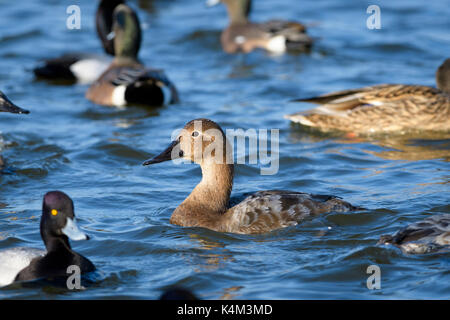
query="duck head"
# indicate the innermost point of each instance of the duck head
(126, 32)
(238, 10)
(104, 21)
(443, 76)
(201, 141)
(58, 220)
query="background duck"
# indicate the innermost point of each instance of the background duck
(127, 81)
(274, 36)
(7, 106)
(208, 204)
(429, 235)
(84, 67)
(57, 225)
(382, 108)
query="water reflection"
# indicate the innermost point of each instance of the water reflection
(125, 123)
(412, 146)
(213, 255)
(412, 150)
(230, 293)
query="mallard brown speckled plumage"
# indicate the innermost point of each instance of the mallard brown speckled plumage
(274, 36)
(203, 142)
(382, 108)
(429, 235)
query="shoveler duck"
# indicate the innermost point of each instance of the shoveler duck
(57, 226)
(127, 81)
(204, 142)
(382, 108)
(84, 67)
(429, 235)
(275, 36)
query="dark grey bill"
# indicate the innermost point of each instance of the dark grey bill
(166, 155)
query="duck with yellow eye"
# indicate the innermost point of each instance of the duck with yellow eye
(203, 141)
(57, 227)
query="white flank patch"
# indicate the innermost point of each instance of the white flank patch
(239, 39)
(12, 261)
(277, 44)
(211, 3)
(167, 93)
(118, 98)
(88, 70)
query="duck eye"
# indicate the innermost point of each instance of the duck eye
(195, 133)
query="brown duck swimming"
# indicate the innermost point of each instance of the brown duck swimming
(128, 81)
(382, 108)
(275, 36)
(429, 235)
(203, 142)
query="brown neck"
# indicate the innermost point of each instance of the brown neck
(238, 11)
(212, 194)
(443, 83)
(443, 76)
(125, 61)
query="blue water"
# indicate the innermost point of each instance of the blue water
(94, 153)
